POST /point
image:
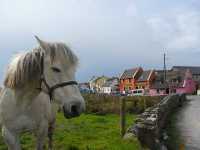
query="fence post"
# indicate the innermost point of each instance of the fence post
(122, 116)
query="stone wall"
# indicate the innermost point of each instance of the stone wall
(150, 124)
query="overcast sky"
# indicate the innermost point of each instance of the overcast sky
(107, 35)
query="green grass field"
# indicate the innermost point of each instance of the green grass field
(87, 132)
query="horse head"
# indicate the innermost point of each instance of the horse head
(58, 77)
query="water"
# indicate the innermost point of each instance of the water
(189, 123)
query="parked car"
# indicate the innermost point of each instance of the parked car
(138, 92)
(85, 91)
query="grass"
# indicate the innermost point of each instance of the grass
(87, 132)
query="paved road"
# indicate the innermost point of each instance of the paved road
(189, 123)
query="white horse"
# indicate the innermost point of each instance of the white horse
(34, 82)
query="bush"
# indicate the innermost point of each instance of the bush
(103, 104)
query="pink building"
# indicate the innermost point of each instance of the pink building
(159, 87)
(176, 82)
(159, 90)
(189, 85)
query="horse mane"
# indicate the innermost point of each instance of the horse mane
(27, 67)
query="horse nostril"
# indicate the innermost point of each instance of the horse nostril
(74, 110)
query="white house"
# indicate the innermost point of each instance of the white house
(110, 86)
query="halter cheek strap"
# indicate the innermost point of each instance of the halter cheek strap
(50, 89)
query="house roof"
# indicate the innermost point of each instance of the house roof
(174, 78)
(170, 75)
(109, 82)
(145, 75)
(193, 69)
(101, 78)
(129, 73)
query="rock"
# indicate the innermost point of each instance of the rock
(149, 125)
(165, 136)
(129, 136)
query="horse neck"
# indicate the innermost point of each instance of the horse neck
(29, 91)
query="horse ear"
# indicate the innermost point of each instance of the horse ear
(43, 44)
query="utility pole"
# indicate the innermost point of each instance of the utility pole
(164, 68)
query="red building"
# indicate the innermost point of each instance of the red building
(128, 79)
(146, 79)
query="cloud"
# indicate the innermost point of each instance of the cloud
(131, 9)
(108, 36)
(179, 31)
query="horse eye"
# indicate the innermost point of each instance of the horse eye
(55, 69)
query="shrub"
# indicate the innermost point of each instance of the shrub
(103, 104)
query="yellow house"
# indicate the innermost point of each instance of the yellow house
(97, 83)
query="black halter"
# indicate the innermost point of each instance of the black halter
(50, 89)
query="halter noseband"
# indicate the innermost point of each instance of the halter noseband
(50, 90)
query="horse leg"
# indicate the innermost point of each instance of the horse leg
(41, 135)
(50, 134)
(11, 139)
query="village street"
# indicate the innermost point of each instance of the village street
(188, 123)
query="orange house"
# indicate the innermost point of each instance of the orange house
(146, 79)
(128, 79)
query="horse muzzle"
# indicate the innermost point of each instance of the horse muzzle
(72, 110)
